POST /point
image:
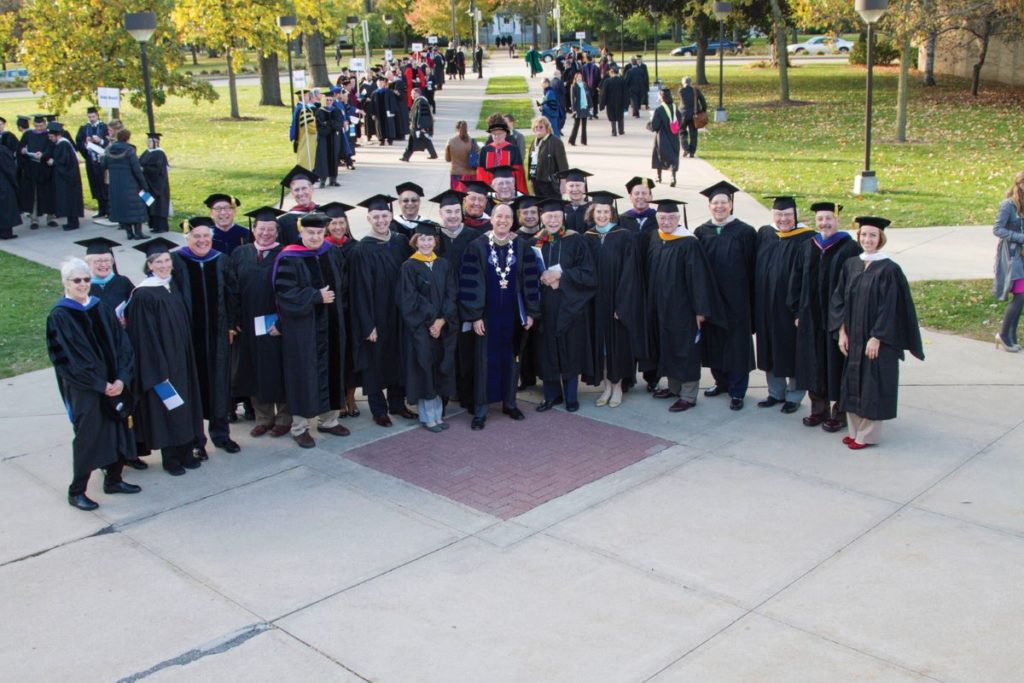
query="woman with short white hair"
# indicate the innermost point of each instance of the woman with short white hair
(94, 363)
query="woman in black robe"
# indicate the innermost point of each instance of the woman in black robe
(874, 315)
(426, 296)
(569, 283)
(619, 334)
(94, 363)
(67, 179)
(665, 123)
(328, 142)
(339, 234)
(169, 406)
(109, 286)
(154, 168)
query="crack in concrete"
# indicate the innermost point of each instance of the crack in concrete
(216, 647)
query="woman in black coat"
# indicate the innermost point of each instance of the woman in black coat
(126, 181)
(582, 101)
(666, 122)
(154, 168)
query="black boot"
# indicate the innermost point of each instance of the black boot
(128, 231)
(138, 232)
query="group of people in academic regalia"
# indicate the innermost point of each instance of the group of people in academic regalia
(40, 177)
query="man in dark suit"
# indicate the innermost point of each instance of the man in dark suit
(613, 100)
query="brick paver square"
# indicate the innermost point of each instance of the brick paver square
(510, 467)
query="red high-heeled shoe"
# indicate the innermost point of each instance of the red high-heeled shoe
(854, 446)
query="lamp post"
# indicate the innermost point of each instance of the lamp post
(141, 26)
(352, 22)
(388, 20)
(654, 16)
(870, 11)
(287, 25)
(721, 11)
(558, 23)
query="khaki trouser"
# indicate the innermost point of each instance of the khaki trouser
(301, 424)
(862, 429)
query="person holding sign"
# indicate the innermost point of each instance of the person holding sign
(169, 411)
(91, 141)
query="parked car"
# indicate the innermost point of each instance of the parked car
(563, 48)
(690, 50)
(820, 45)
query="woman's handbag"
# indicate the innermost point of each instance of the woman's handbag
(700, 116)
(473, 160)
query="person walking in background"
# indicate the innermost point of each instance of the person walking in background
(421, 127)
(665, 124)
(613, 100)
(551, 108)
(478, 61)
(462, 154)
(634, 81)
(581, 97)
(533, 61)
(1009, 266)
(692, 101)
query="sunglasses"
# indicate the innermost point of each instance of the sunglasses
(80, 280)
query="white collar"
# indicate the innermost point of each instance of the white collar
(877, 256)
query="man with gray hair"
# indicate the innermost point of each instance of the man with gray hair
(693, 102)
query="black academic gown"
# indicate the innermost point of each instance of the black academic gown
(328, 142)
(256, 365)
(819, 363)
(619, 336)
(774, 324)
(158, 325)
(727, 344)
(10, 216)
(154, 169)
(426, 293)
(665, 154)
(93, 168)
(874, 302)
(67, 180)
(37, 178)
(497, 355)
(88, 349)
(114, 293)
(645, 230)
(465, 348)
(564, 333)
(575, 217)
(386, 114)
(373, 280)
(681, 286)
(288, 225)
(613, 97)
(313, 334)
(201, 283)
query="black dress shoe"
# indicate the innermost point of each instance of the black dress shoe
(478, 423)
(768, 402)
(174, 470)
(382, 420)
(572, 407)
(120, 487)
(664, 393)
(201, 455)
(82, 502)
(228, 445)
(736, 404)
(714, 391)
(545, 406)
(514, 413)
(192, 464)
(789, 407)
(137, 464)
(404, 412)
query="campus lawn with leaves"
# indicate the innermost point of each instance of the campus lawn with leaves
(30, 290)
(955, 169)
(963, 307)
(522, 109)
(507, 85)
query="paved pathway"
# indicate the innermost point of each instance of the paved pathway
(719, 546)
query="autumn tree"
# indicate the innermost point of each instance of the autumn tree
(72, 47)
(9, 31)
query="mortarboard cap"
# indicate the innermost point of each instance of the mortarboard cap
(721, 187)
(221, 197)
(551, 204)
(92, 110)
(154, 136)
(264, 213)
(22, 120)
(502, 171)
(98, 245)
(50, 118)
(575, 175)
(54, 128)
(782, 202)
(637, 180)
(155, 246)
(409, 187)
(477, 186)
(38, 118)
(498, 125)
(526, 201)
(335, 209)
(378, 202)
(298, 172)
(3, 120)
(427, 228)
(669, 205)
(876, 221)
(314, 220)
(602, 197)
(190, 224)
(448, 198)
(826, 206)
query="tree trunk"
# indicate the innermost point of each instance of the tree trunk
(780, 51)
(929, 51)
(195, 55)
(700, 72)
(270, 81)
(677, 33)
(316, 60)
(902, 93)
(232, 86)
(976, 71)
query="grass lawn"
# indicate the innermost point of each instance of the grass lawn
(507, 85)
(956, 168)
(522, 109)
(963, 307)
(30, 291)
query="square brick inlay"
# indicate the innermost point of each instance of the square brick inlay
(509, 467)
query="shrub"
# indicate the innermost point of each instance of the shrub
(886, 52)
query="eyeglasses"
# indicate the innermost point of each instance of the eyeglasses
(80, 280)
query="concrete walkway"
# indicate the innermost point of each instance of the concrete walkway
(734, 546)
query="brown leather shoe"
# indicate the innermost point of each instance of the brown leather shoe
(259, 430)
(681, 405)
(664, 393)
(814, 419)
(305, 440)
(382, 420)
(336, 430)
(280, 430)
(832, 425)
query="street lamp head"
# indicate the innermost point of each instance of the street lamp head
(871, 10)
(389, 19)
(352, 21)
(141, 25)
(721, 10)
(287, 24)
